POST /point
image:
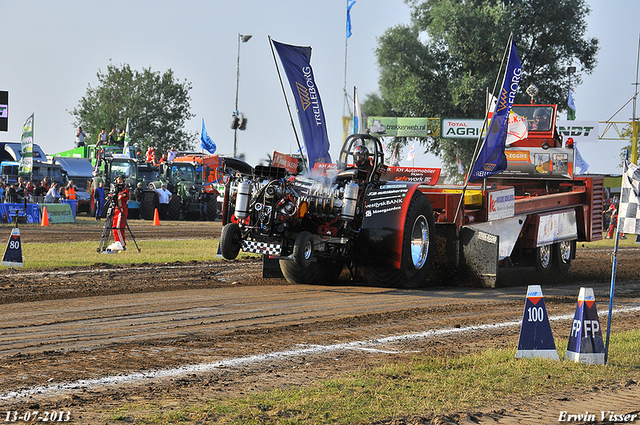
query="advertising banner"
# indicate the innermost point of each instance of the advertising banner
(287, 162)
(501, 204)
(552, 163)
(296, 63)
(453, 128)
(26, 160)
(579, 131)
(4, 110)
(557, 227)
(401, 127)
(58, 213)
(413, 174)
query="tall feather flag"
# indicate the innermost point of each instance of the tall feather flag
(205, 141)
(350, 4)
(127, 138)
(26, 148)
(492, 159)
(357, 113)
(571, 112)
(296, 63)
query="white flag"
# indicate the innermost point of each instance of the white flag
(460, 166)
(412, 152)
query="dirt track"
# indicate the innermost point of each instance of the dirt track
(63, 326)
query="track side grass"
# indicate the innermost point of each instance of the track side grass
(83, 254)
(422, 386)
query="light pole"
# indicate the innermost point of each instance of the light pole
(238, 120)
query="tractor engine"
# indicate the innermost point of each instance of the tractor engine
(270, 208)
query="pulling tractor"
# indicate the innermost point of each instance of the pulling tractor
(390, 221)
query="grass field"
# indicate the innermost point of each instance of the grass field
(422, 386)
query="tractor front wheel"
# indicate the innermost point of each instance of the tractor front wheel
(230, 241)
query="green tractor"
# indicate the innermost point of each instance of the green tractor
(181, 181)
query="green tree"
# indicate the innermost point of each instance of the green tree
(156, 104)
(444, 62)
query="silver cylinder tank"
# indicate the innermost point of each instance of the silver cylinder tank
(242, 201)
(350, 201)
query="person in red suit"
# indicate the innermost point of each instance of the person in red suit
(120, 214)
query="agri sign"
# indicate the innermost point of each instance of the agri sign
(461, 128)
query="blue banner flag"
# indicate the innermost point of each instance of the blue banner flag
(350, 4)
(205, 141)
(296, 63)
(491, 159)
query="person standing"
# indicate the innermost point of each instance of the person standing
(113, 137)
(98, 200)
(121, 136)
(613, 227)
(151, 155)
(171, 155)
(40, 192)
(102, 137)
(203, 200)
(120, 212)
(70, 191)
(52, 194)
(164, 196)
(80, 136)
(138, 195)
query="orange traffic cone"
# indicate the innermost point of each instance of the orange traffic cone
(156, 218)
(45, 217)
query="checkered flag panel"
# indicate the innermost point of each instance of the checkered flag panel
(256, 247)
(629, 215)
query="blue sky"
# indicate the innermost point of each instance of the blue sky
(53, 50)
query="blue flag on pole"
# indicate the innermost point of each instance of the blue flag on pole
(205, 141)
(350, 4)
(491, 159)
(296, 63)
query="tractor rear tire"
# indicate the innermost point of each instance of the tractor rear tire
(418, 248)
(230, 241)
(147, 209)
(212, 209)
(175, 208)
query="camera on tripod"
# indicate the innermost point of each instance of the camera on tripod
(112, 198)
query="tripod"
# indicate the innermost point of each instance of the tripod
(108, 225)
